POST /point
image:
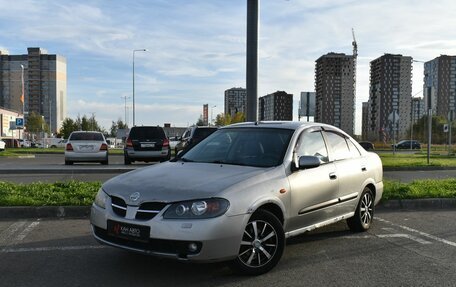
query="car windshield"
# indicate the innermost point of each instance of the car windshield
(259, 147)
(86, 137)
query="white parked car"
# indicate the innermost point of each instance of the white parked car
(84, 146)
(2, 145)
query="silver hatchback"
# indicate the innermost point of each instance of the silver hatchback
(237, 195)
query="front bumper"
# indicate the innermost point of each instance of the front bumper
(217, 239)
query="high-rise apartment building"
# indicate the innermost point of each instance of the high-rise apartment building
(390, 97)
(440, 85)
(277, 106)
(235, 101)
(418, 110)
(45, 84)
(335, 91)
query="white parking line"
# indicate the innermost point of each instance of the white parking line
(25, 232)
(438, 239)
(408, 236)
(52, 248)
(8, 233)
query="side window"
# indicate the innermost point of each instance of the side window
(353, 150)
(339, 146)
(312, 143)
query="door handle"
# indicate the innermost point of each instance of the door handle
(332, 176)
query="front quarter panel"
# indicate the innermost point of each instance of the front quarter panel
(269, 187)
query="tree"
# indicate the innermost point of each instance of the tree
(35, 123)
(239, 117)
(116, 126)
(200, 121)
(226, 119)
(68, 126)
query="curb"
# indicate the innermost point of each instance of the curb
(60, 212)
(419, 168)
(418, 204)
(22, 212)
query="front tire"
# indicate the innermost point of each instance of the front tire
(262, 245)
(364, 213)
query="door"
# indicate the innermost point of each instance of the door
(313, 191)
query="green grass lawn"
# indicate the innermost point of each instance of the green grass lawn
(419, 159)
(76, 193)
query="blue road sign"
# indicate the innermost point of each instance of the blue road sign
(20, 123)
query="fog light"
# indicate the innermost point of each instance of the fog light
(192, 247)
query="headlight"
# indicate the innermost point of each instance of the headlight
(100, 199)
(197, 209)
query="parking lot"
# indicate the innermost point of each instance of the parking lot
(404, 248)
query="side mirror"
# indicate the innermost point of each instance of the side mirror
(306, 162)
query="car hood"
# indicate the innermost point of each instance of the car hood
(178, 181)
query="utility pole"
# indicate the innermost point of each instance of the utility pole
(252, 60)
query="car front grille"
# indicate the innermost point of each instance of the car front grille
(146, 210)
(119, 206)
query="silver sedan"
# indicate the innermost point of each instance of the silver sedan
(237, 195)
(86, 146)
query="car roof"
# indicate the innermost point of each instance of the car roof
(282, 125)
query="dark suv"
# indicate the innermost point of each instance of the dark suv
(146, 143)
(192, 136)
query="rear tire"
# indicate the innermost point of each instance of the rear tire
(68, 162)
(364, 213)
(262, 244)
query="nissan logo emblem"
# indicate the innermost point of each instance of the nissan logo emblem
(135, 196)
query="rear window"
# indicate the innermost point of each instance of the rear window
(86, 137)
(147, 133)
(203, 133)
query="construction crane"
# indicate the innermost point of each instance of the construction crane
(354, 44)
(355, 57)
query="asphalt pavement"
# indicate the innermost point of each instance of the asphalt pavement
(401, 249)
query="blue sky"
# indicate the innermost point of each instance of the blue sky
(196, 48)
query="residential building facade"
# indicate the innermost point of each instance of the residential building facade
(418, 110)
(235, 101)
(439, 88)
(45, 85)
(277, 106)
(335, 91)
(390, 97)
(6, 117)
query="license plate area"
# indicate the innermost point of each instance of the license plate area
(133, 232)
(148, 145)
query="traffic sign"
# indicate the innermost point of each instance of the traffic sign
(19, 123)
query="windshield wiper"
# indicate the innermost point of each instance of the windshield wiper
(186, 159)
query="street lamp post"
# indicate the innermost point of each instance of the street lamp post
(134, 51)
(22, 96)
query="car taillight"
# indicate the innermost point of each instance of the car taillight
(104, 146)
(166, 142)
(129, 142)
(69, 147)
